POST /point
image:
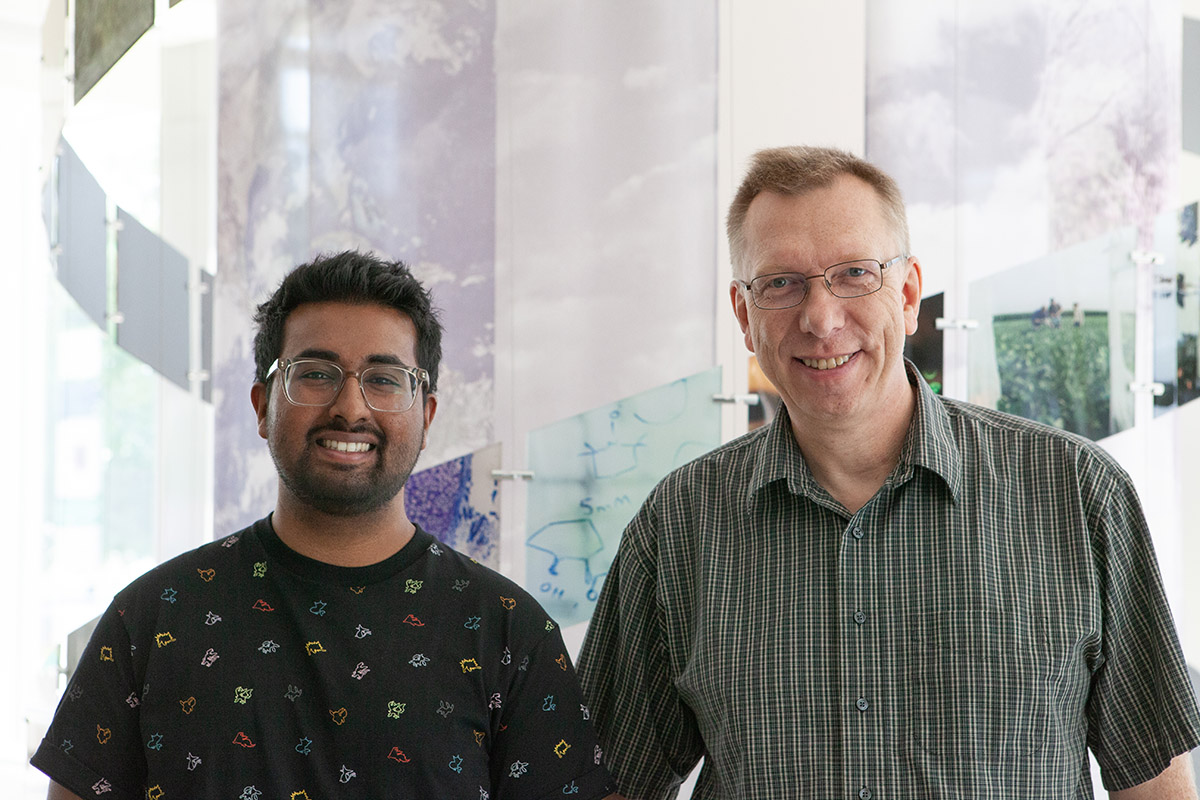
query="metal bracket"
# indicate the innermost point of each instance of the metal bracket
(1157, 389)
(946, 324)
(751, 399)
(512, 474)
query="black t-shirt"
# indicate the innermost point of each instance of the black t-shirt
(244, 670)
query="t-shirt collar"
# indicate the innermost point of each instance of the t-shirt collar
(319, 571)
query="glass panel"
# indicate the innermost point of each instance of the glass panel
(591, 474)
(1191, 85)
(104, 31)
(102, 426)
(1055, 341)
(152, 296)
(1176, 308)
(81, 234)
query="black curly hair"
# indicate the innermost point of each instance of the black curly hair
(349, 277)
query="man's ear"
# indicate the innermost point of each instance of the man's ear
(261, 401)
(911, 292)
(738, 298)
(428, 409)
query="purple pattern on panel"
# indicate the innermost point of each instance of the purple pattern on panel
(439, 500)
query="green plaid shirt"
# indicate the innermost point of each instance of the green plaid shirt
(991, 613)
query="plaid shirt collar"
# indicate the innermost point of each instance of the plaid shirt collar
(929, 444)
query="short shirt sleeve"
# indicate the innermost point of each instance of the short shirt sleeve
(93, 747)
(1142, 710)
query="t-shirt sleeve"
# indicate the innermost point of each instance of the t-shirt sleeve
(93, 746)
(649, 735)
(1142, 710)
(546, 746)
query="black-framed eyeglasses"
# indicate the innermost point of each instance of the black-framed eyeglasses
(317, 382)
(847, 279)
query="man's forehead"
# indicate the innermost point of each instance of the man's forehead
(841, 218)
(340, 331)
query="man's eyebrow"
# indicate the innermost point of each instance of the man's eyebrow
(313, 352)
(375, 358)
(384, 358)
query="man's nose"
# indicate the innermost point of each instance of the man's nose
(821, 314)
(350, 403)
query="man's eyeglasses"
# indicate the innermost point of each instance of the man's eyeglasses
(847, 279)
(316, 382)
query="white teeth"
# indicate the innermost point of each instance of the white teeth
(346, 447)
(825, 363)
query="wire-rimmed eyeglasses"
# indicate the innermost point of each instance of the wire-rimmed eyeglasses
(317, 382)
(846, 279)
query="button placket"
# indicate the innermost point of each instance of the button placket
(863, 724)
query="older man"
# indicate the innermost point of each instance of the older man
(885, 593)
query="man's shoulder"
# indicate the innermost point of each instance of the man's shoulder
(458, 565)
(200, 561)
(979, 426)
(478, 582)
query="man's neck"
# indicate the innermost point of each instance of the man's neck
(850, 459)
(345, 541)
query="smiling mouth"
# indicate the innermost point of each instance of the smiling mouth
(824, 363)
(346, 447)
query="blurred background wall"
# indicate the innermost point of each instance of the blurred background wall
(558, 173)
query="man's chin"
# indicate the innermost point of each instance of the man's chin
(339, 507)
(349, 501)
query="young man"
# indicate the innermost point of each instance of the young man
(332, 649)
(884, 593)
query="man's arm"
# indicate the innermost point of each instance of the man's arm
(1173, 783)
(57, 792)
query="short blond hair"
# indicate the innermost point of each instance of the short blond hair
(799, 169)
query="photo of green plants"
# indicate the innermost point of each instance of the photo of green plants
(1055, 341)
(1059, 375)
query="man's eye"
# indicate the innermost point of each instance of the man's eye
(385, 381)
(853, 272)
(781, 282)
(317, 375)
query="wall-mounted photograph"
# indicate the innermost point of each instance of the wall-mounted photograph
(1055, 341)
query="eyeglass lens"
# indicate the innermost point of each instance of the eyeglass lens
(317, 383)
(851, 279)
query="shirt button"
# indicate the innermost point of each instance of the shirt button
(864, 794)
(858, 532)
(860, 617)
(861, 704)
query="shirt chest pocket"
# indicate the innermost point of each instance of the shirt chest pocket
(977, 685)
